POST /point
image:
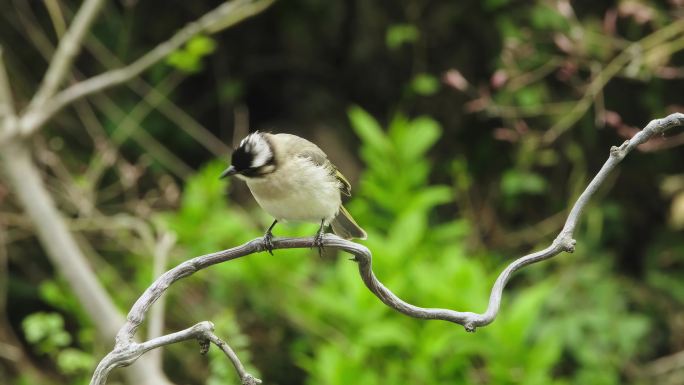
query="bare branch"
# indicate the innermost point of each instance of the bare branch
(8, 118)
(69, 46)
(52, 230)
(223, 16)
(203, 332)
(6, 99)
(126, 349)
(245, 378)
(62, 250)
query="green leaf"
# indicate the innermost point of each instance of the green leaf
(45, 331)
(400, 34)
(184, 61)
(368, 129)
(201, 45)
(515, 182)
(545, 17)
(189, 58)
(532, 95)
(385, 333)
(494, 4)
(423, 133)
(432, 196)
(73, 361)
(425, 84)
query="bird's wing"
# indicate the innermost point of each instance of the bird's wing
(345, 186)
(309, 150)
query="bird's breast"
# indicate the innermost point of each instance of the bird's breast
(299, 191)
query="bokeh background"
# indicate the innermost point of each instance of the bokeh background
(467, 128)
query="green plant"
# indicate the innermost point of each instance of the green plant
(46, 332)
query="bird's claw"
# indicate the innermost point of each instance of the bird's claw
(268, 242)
(318, 242)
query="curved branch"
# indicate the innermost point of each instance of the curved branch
(563, 242)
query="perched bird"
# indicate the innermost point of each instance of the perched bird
(293, 180)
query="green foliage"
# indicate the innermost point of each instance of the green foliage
(189, 58)
(587, 304)
(396, 163)
(545, 17)
(221, 370)
(45, 331)
(494, 4)
(400, 34)
(73, 361)
(515, 182)
(424, 84)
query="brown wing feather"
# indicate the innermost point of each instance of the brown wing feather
(317, 156)
(345, 186)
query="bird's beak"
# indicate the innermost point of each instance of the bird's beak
(230, 171)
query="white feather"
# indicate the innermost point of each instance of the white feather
(256, 145)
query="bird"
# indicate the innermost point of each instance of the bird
(292, 179)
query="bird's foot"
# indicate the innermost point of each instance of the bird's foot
(268, 242)
(318, 242)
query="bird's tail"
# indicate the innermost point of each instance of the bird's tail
(344, 226)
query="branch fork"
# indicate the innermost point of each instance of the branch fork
(127, 352)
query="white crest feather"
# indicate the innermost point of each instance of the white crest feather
(256, 145)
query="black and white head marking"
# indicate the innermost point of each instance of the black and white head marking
(254, 156)
(260, 149)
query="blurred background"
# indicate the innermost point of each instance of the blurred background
(468, 129)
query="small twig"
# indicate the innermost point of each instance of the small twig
(126, 349)
(665, 365)
(9, 352)
(6, 100)
(166, 107)
(4, 267)
(68, 48)
(245, 378)
(655, 40)
(223, 16)
(8, 117)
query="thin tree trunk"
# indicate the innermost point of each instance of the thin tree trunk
(25, 180)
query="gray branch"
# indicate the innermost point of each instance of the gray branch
(203, 332)
(127, 350)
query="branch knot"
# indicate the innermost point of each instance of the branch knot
(566, 242)
(619, 152)
(249, 379)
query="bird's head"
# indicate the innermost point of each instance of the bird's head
(253, 158)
